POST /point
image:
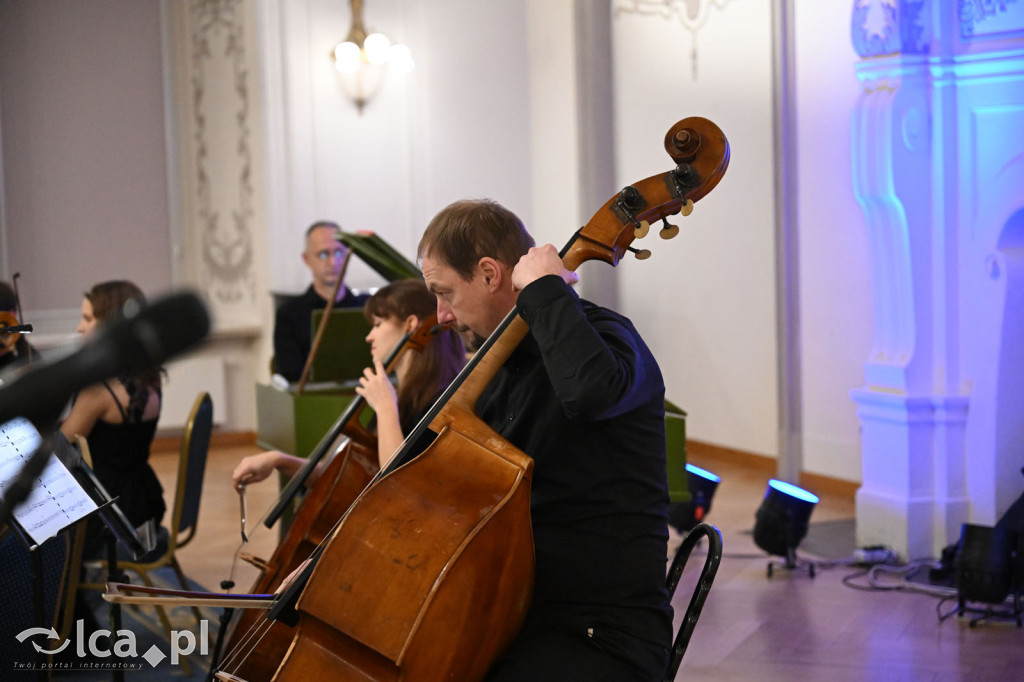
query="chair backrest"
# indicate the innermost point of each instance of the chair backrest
(195, 445)
(19, 605)
(700, 591)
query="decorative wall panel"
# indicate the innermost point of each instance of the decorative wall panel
(217, 112)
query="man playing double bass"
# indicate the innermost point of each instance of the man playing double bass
(583, 396)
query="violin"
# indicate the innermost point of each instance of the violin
(429, 574)
(10, 330)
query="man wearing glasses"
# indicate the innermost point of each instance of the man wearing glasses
(323, 256)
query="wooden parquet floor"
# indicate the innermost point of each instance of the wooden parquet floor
(789, 627)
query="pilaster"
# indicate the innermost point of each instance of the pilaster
(938, 166)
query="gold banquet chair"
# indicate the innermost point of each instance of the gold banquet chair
(195, 445)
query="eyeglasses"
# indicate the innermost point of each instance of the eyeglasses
(327, 254)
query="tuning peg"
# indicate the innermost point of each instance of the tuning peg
(686, 208)
(641, 230)
(641, 254)
(668, 230)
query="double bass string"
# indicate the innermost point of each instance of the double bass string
(241, 650)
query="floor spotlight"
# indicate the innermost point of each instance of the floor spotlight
(782, 523)
(702, 485)
(987, 571)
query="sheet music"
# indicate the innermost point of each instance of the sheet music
(56, 501)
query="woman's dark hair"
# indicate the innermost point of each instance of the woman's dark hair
(108, 300)
(432, 368)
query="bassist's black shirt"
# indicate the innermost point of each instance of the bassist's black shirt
(584, 397)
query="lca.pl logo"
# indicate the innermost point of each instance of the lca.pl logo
(183, 643)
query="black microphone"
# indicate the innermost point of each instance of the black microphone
(143, 338)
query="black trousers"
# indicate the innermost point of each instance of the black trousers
(560, 649)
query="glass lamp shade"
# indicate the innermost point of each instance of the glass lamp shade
(783, 517)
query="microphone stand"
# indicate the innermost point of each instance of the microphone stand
(114, 574)
(225, 620)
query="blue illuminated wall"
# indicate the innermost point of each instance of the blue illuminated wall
(938, 166)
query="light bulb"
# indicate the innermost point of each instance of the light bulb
(377, 47)
(400, 58)
(346, 57)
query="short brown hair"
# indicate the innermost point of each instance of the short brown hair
(471, 229)
(322, 223)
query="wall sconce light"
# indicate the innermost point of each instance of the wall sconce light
(363, 60)
(782, 522)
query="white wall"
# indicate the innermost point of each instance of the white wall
(835, 289)
(454, 128)
(705, 301)
(83, 158)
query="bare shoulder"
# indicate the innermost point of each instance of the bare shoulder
(94, 398)
(90, 405)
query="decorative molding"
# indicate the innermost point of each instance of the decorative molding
(915, 125)
(884, 27)
(692, 14)
(220, 84)
(998, 17)
(875, 124)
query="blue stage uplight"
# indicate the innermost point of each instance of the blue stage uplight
(782, 521)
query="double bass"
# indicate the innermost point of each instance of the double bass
(429, 574)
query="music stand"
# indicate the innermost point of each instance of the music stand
(119, 530)
(64, 494)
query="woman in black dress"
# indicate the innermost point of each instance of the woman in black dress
(118, 418)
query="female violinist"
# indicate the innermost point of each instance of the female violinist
(421, 376)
